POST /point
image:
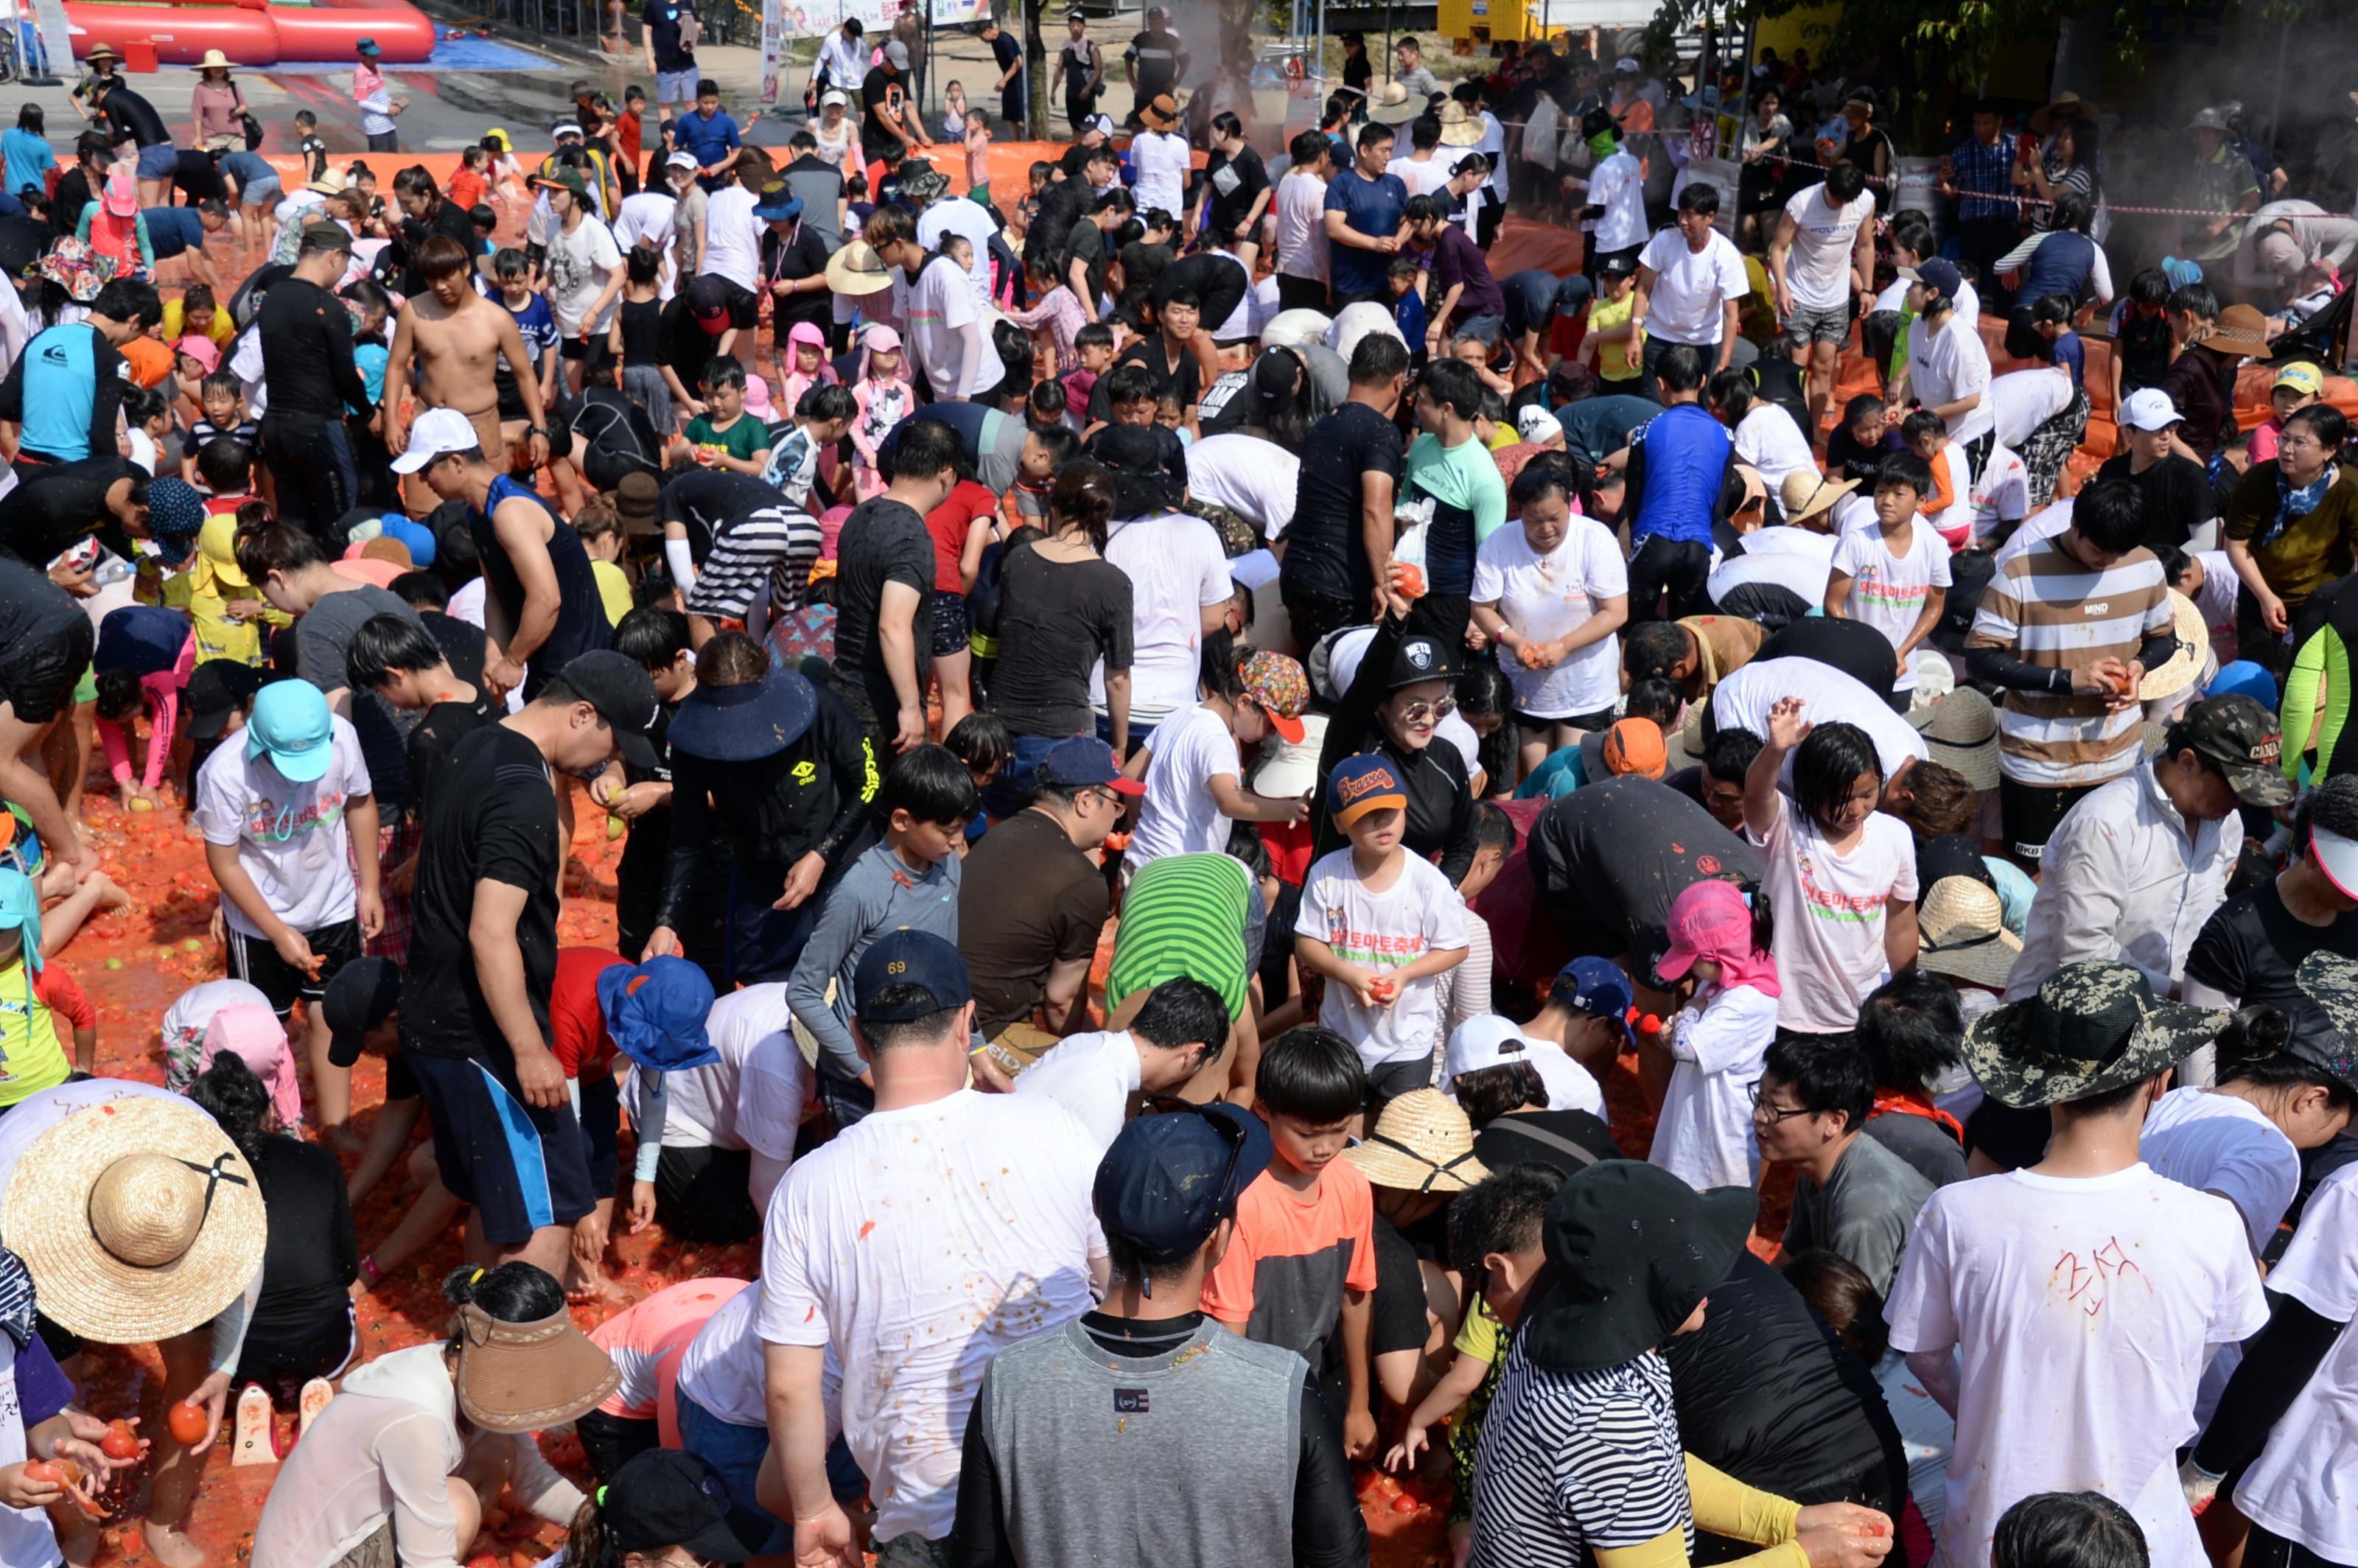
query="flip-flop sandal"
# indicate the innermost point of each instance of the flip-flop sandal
(315, 1398)
(254, 1443)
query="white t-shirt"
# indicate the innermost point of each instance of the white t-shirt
(1830, 912)
(2051, 520)
(750, 1098)
(2218, 595)
(2023, 400)
(1178, 815)
(945, 323)
(1301, 207)
(1422, 178)
(1887, 591)
(290, 837)
(1419, 914)
(957, 215)
(1742, 702)
(732, 238)
(1252, 478)
(2217, 1144)
(2299, 1485)
(1817, 269)
(579, 265)
(722, 1370)
(1619, 186)
(2082, 1311)
(2001, 492)
(1928, 1435)
(918, 1245)
(1552, 596)
(1948, 366)
(1767, 438)
(1176, 568)
(650, 217)
(1704, 1135)
(1766, 560)
(1969, 301)
(1164, 160)
(1692, 288)
(1092, 1076)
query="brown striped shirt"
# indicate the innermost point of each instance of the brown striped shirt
(2046, 609)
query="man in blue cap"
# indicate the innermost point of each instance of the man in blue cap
(935, 1233)
(1136, 1384)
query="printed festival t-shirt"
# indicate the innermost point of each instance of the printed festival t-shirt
(2298, 1487)
(1830, 913)
(1419, 914)
(290, 837)
(1552, 596)
(1887, 590)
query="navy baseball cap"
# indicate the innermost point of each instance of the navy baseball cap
(1171, 1177)
(906, 957)
(1942, 277)
(1080, 762)
(1595, 985)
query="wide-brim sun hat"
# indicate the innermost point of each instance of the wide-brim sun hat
(213, 61)
(1289, 770)
(2092, 1027)
(522, 1377)
(1961, 731)
(1160, 113)
(1685, 749)
(2184, 666)
(1394, 104)
(1962, 926)
(2241, 329)
(137, 1218)
(857, 270)
(1459, 128)
(1421, 1143)
(745, 723)
(1631, 1251)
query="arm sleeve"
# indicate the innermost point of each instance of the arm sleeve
(106, 398)
(342, 1238)
(649, 1111)
(978, 1535)
(163, 717)
(539, 1487)
(1464, 823)
(842, 921)
(424, 1531)
(695, 841)
(229, 1328)
(2002, 668)
(1329, 1531)
(853, 756)
(2299, 708)
(343, 373)
(1725, 1506)
(118, 749)
(2277, 1363)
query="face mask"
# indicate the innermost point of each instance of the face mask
(1604, 145)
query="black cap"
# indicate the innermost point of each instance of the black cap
(666, 1498)
(907, 957)
(362, 996)
(1420, 659)
(2246, 742)
(217, 688)
(709, 303)
(623, 692)
(1169, 1179)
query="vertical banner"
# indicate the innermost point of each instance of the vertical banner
(772, 48)
(57, 35)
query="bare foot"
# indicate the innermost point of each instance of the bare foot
(587, 1284)
(341, 1139)
(111, 893)
(171, 1547)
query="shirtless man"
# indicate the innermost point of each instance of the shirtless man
(457, 337)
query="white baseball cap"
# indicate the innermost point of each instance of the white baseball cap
(1537, 426)
(834, 96)
(1488, 1040)
(681, 160)
(2150, 409)
(438, 433)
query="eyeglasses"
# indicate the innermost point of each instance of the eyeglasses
(1761, 1108)
(1428, 712)
(2299, 444)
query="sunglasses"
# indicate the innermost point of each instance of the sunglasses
(1428, 712)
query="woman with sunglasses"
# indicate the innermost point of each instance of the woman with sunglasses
(1397, 698)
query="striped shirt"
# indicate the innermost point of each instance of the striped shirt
(771, 548)
(2046, 609)
(1197, 915)
(1575, 1462)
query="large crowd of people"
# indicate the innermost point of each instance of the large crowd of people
(1176, 731)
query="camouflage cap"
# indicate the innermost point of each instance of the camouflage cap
(2093, 1027)
(2331, 981)
(2245, 743)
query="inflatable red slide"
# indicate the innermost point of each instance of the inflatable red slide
(254, 32)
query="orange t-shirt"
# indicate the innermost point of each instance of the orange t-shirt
(150, 360)
(1284, 1274)
(467, 186)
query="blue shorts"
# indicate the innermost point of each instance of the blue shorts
(676, 86)
(161, 161)
(736, 1453)
(523, 1168)
(262, 193)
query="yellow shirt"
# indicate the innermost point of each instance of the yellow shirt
(30, 1057)
(176, 324)
(1604, 315)
(613, 590)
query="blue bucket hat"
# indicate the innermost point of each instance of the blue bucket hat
(656, 1012)
(290, 723)
(176, 515)
(20, 911)
(2245, 679)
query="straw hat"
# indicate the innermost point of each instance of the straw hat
(1421, 1143)
(1160, 113)
(1685, 749)
(2241, 330)
(1964, 934)
(1459, 128)
(213, 61)
(1394, 104)
(1962, 731)
(138, 1219)
(328, 184)
(521, 1377)
(857, 270)
(2184, 668)
(1805, 494)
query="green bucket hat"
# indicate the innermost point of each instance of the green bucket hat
(2093, 1027)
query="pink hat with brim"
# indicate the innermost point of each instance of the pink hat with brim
(122, 196)
(203, 349)
(805, 332)
(757, 399)
(253, 1034)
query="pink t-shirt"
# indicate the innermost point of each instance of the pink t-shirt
(647, 1342)
(2264, 438)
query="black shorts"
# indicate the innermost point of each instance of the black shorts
(952, 626)
(744, 309)
(702, 1195)
(2028, 815)
(1600, 719)
(574, 348)
(1393, 1079)
(38, 669)
(254, 960)
(523, 1168)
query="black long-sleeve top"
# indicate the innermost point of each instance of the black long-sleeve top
(306, 353)
(1329, 1531)
(1441, 816)
(758, 818)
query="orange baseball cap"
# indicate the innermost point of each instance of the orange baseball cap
(1631, 746)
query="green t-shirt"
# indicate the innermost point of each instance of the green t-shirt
(741, 440)
(1184, 914)
(1469, 504)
